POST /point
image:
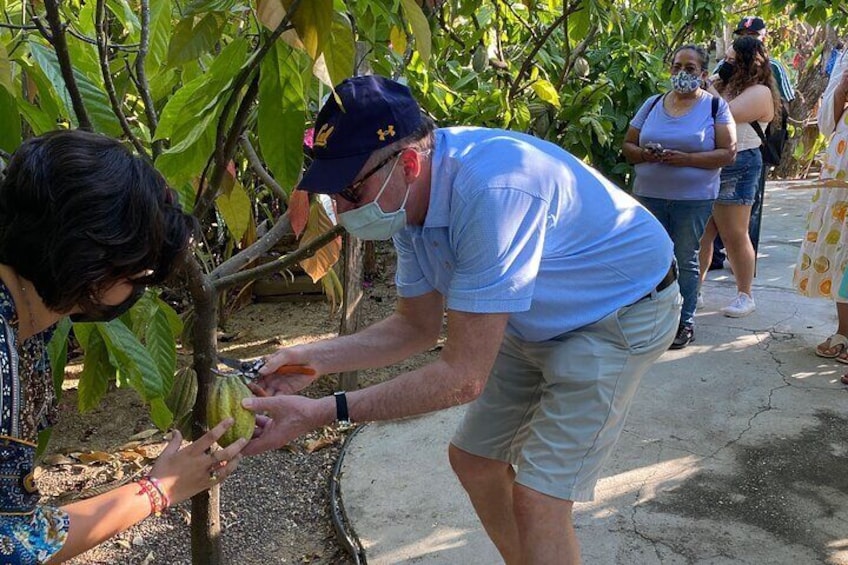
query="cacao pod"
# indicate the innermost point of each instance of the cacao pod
(181, 399)
(480, 60)
(225, 402)
(581, 67)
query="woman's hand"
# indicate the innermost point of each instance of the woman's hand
(649, 156)
(675, 158)
(184, 472)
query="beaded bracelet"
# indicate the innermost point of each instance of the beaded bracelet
(150, 486)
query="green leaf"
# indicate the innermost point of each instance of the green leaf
(57, 352)
(282, 111)
(190, 41)
(420, 28)
(200, 6)
(94, 99)
(235, 206)
(124, 14)
(10, 122)
(174, 320)
(6, 70)
(96, 374)
(312, 20)
(160, 35)
(546, 91)
(162, 346)
(160, 413)
(338, 57)
(133, 359)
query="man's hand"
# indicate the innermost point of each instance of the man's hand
(284, 372)
(288, 417)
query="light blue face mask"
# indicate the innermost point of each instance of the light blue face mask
(370, 222)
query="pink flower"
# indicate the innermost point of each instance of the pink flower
(309, 137)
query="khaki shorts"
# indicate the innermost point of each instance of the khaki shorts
(555, 409)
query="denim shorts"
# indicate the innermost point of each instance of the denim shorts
(739, 181)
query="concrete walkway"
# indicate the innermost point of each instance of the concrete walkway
(735, 451)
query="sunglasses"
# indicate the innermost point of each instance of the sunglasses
(350, 193)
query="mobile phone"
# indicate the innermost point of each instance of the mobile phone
(654, 148)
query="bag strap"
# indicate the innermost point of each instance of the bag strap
(759, 130)
(715, 107)
(654, 103)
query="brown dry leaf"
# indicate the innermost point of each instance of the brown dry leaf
(147, 451)
(57, 459)
(95, 457)
(324, 259)
(123, 543)
(129, 445)
(130, 455)
(144, 434)
(314, 445)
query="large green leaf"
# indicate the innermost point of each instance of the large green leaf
(234, 205)
(133, 358)
(200, 6)
(96, 374)
(337, 60)
(57, 351)
(162, 346)
(5, 70)
(124, 13)
(420, 28)
(191, 40)
(160, 413)
(312, 21)
(10, 122)
(94, 99)
(160, 35)
(282, 110)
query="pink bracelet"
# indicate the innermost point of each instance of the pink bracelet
(150, 486)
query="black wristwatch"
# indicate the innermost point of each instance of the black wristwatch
(342, 416)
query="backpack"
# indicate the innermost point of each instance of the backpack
(774, 138)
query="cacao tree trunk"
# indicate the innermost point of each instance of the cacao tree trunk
(352, 284)
(205, 506)
(802, 111)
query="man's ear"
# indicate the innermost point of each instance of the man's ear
(411, 159)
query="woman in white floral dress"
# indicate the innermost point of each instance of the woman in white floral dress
(824, 249)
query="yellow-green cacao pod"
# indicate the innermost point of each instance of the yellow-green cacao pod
(181, 399)
(225, 402)
(480, 60)
(581, 67)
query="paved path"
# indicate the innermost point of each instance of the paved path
(735, 451)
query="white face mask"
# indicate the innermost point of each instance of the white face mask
(370, 222)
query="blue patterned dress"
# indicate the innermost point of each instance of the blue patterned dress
(29, 533)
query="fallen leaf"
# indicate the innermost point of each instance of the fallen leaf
(129, 445)
(148, 559)
(130, 456)
(320, 443)
(147, 451)
(94, 457)
(123, 543)
(58, 460)
(144, 434)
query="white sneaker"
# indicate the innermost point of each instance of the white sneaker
(700, 302)
(741, 306)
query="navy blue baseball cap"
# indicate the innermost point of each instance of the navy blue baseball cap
(750, 24)
(366, 114)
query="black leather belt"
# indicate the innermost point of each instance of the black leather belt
(669, 278)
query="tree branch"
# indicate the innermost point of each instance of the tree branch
(304, 252)
(574, 53)
(129, 48)
(254, 251)
(103, 52)
(32, 27)
(60, 44)
(143, 85)
(261, 172)
(528, 61)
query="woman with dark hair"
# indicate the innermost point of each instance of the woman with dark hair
(745, 81)
(678, 142)
(85, 227)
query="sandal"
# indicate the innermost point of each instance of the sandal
(836, 341)
(844, 379)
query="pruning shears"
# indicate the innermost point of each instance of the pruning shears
(249, 370)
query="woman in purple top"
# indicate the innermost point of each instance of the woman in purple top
(678, 142)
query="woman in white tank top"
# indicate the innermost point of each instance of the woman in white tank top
(745, 81)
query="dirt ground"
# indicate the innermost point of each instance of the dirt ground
(275, 508)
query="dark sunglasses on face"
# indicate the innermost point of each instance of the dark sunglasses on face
(349, 193)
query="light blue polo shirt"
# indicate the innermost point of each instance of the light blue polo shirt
(517, 225)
